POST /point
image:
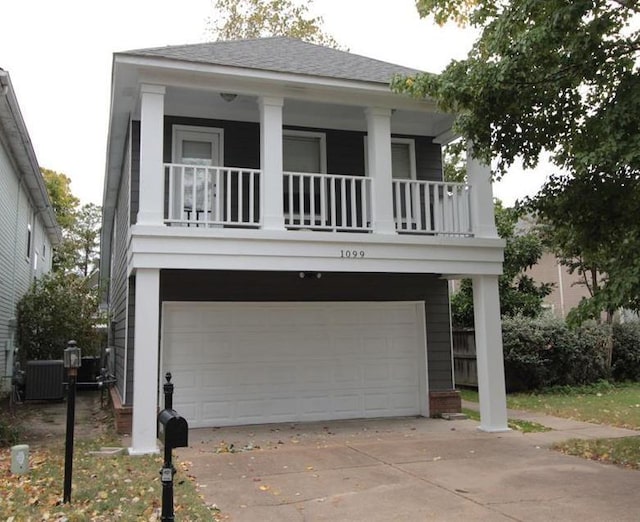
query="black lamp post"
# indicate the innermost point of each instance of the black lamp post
(72, 361)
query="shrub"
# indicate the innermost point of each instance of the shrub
(544, 352)
(58, 307)
(625, 364)
(9, 433)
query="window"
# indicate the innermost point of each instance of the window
(28, 241)
(302, 152)
(403, 162)
(403, 158)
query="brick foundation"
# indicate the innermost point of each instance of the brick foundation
(123, 415)
(444, 402)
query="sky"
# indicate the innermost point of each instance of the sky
(59, 56)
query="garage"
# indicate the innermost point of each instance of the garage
(239, 363)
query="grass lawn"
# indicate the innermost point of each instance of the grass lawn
(615, 405)
(104, 488)
(515, 424)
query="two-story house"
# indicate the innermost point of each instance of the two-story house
(277, 235)
(28, 227)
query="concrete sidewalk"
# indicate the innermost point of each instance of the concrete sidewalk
(408, 469)
(562, 429)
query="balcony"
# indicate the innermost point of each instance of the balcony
(231, 197)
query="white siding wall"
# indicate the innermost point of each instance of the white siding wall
(16, 270)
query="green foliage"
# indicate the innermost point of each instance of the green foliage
(519, 293)
(560, 76)
(63, 201)
(85, 236)
(544, 352)
(454, 162)
(78, 251)
(590, 223)
(58, 307)
(9, 433)
(555, 75)
(238, 19)
(626, 352)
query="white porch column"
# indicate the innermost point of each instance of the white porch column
(379, 161)
(271, 162)
(150, 211)
(491, 385)
(145, 362)
(482, 217)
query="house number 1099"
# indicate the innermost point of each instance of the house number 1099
(351, 254)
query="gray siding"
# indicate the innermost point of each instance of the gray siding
(118, 288)
(200, 285)
(345, 155)
(439, 355)
(345, 149)
(16, 269)
(131, 330)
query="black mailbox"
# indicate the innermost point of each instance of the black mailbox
(173, 429)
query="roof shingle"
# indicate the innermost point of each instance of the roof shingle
(281, 54)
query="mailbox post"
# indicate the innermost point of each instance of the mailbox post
(173, 431)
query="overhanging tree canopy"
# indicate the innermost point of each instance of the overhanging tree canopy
(560, 76)
(555, 75)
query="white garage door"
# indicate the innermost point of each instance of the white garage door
(246, 363)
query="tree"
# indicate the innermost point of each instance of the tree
(78, 251)
(86, 237)
(58, 307)
(63, 201)
(555, 75)
(237, 19)
(590, 223)
(560, 76)
(519, 293)
(454, 159)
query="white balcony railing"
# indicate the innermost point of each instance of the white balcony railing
(327, 202)
(212, 196)
(428, 207)
(204, 196)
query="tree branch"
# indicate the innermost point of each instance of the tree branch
(628, 4)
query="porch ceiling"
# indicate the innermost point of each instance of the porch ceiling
(180, 101)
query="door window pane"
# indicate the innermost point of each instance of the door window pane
(196, 152)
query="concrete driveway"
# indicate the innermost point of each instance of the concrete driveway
(406, 469)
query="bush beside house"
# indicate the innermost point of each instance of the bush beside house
(625, 363)
(58, 307)
(539, 353)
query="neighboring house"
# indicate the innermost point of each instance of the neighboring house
(277, 235)
(28, 227)
(568, 288)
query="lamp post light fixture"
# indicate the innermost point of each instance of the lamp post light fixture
(72, 361)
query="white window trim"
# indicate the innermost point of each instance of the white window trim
(412, 154)
(311, 134)
(175, 129)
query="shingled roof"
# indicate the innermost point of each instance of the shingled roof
(281, 54)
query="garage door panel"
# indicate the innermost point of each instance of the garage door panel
(242, 363)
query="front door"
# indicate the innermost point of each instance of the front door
(199, 148)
